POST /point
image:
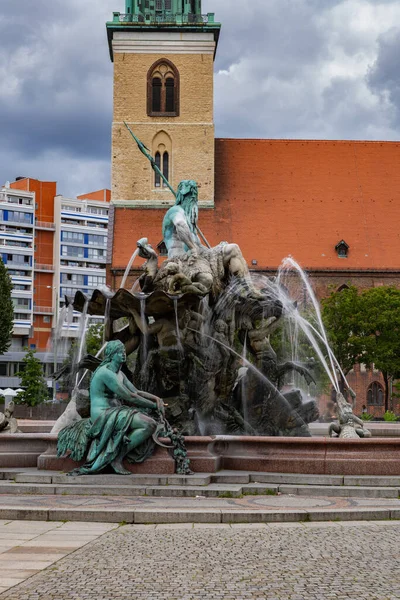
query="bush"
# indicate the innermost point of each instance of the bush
(390, 416)
(367, 417)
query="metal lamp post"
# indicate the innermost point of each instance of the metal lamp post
(55, 340)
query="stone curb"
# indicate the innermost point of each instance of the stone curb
(158, 516)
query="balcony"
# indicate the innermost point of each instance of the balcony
(45, 226)
(20, 222)
(164, 19)
(43, 310)
(42, 268)
(19, 266)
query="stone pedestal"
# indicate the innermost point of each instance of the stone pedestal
(310, 456)
(160, 463)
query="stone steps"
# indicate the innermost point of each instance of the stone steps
(225, 484)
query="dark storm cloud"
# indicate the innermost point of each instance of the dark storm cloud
(284, 68)
(299, 68)
(56, 90)
(384, 77)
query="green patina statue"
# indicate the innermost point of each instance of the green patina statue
(120, 425)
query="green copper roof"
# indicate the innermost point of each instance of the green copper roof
(154, 7)
(171, 15)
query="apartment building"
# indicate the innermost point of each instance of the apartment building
(52, 246)
(80, 249)
(17, 235)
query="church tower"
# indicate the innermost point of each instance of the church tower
(163, 53)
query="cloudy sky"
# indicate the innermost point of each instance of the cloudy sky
(285, 69)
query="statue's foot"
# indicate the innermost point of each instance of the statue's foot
(119, 468)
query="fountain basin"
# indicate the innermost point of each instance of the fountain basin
(309, 456)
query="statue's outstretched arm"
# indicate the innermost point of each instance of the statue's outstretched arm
(146, 329)
(122, 391)
(183, 232)
(142, 396)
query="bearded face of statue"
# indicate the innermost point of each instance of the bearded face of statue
(187, 197)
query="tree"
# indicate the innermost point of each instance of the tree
(379, 332)
(32, 380)
(365, 328)
(6, 309)
(340, 314)
(94, 338)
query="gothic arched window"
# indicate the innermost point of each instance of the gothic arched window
(375, 394)
(163, 89)
(162, 152)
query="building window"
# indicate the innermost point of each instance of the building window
(156, 84)
(157, 177)
(163, 90)
(166, 166)
(72, 236)
(375, 394)
(162, 152)
(342, 249)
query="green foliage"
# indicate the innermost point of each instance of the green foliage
(366, 417)
(32, 380)
(390, 416)
(379, 325)
(365, 328)
(6, 309)
(94, 338)
(340, 315)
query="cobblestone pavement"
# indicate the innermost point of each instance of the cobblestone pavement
(307, 561)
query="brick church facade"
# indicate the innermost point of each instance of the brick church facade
(332, 205)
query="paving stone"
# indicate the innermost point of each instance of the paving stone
(265, 516)
(107, 480)
(177, 516)
(296, 478)
(23, 565)
(174, 525)
(366, 480)
(79, 528)
(21, 573)
(92, 490)
(32, 478)
(80, 514)
(211, 491)
(260, 489)
(22, 514)
(290, 561)
(195, 479)
(347, 514)
(231, 477)
(25, 488)
(343, 491)
(10, 581)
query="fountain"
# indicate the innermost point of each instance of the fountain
(236, 357)
(199, 333)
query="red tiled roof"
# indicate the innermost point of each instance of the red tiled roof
(281, 197)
